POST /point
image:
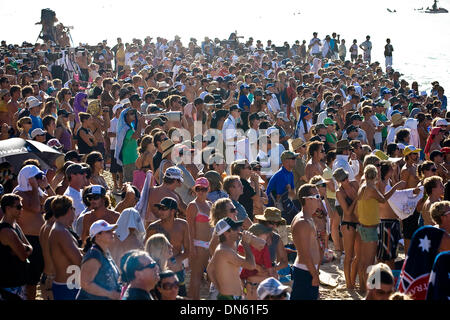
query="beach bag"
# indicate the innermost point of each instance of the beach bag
(139, 179)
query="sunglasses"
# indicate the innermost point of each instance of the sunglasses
(163, 208)
(316, 196)
(323, 185)
(280, 296)
(233, 210)
(170, 285)
(148, 266)
(19, 207)
(94, 197)
(201, 189)
(247, 167)
(101, 159)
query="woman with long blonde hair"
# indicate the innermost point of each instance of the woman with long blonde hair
(160, 249)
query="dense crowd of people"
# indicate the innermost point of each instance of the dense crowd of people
(231, 163)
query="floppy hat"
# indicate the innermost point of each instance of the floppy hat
(271, 287)
(411, 149)
(100, 226)
(271, 214)
(225, 224)
(297, 143)
(343, 144)
(258, 229)
(397, 119)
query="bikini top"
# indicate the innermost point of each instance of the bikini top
(201, 217)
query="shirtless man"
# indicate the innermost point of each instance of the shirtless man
(368, 126)
(63, 248)
(409, 174)
(305, 272)
(49, 270)
(176, 231)
(315, 167)
(434, 189)
(31, 220)
(96, 195)
(173, 178)
(225, 265)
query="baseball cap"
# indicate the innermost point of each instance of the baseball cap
(411, 149)
(441, 122)
(117, 107)
(29, 171)
(71, 155)
(234, 107)
(100, 226)
(201, 182)
(283, 116)
(168, 202)
(225, 224)
(37, 132)
(328, 121)
(76, 168)
(289, 155)
(351, 128)
(355, 117)
(271, 287)
(174, 173)
(95, 189)
(63, 112)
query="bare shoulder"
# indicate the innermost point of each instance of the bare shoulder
(181, 222)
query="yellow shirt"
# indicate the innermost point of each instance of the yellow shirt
(368, 213)
(120, 56)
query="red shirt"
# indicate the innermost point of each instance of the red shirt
(262, 258)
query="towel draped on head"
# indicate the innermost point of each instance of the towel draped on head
(24, 175)
(129, 218)
(78, 106)
(122, 129)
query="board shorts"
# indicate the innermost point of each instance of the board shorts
(389, 235)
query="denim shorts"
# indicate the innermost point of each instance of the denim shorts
(367, 234)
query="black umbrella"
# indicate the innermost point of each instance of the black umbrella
(17, 150)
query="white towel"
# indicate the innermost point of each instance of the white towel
(129, 218)
(142, 204)
(24, 175)
(404, 202)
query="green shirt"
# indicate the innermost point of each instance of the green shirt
(331, 138)
(129, 148)
(382, 118)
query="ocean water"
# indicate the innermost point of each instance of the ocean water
(421, 41)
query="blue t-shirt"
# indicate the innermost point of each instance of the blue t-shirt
(244, 102)
(36, 123)
(278, 182)
(241, 212)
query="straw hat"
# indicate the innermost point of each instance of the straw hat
(167, 146)
(271, 214)
(297, 143)
(397, 119)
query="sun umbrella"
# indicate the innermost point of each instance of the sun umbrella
(18, 150)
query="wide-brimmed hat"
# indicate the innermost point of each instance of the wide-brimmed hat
(271, 214)
(397, 119)
(167, 146)
(343, 145)
(297, 143)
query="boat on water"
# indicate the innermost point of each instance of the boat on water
(435, 9)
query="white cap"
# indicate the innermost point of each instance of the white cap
(117, 106)
(326, 80)
(225, 224)
(174, 173)
(100, 226)
(125, 101)
(272, 287)
(441, 122)
(270, 130)
(282, 115)
(37, 132)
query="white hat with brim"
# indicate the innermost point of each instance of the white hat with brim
(100, 226)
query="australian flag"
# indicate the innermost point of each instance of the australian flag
(439, 284)
(416, 269)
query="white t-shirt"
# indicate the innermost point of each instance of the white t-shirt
(77, 202)
(377, 136)
(113, 129)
